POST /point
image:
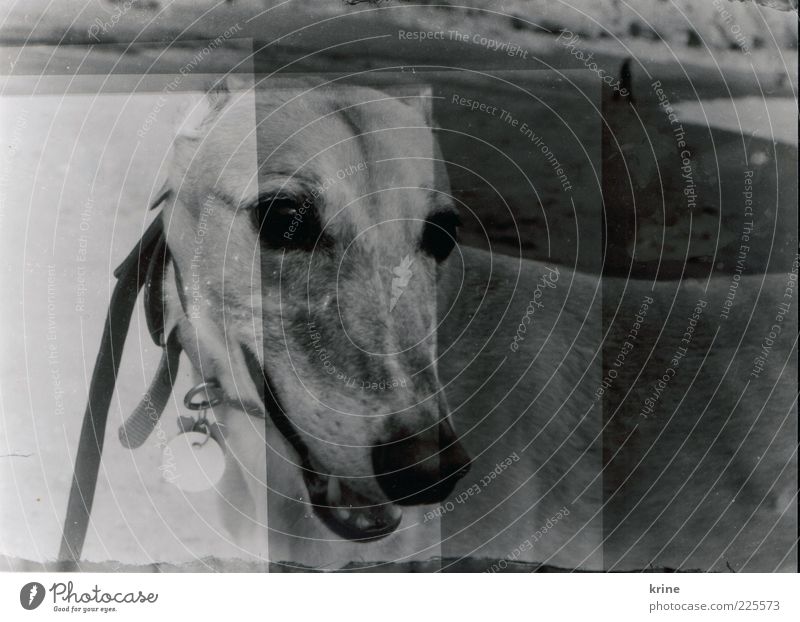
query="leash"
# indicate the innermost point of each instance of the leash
(131, 275)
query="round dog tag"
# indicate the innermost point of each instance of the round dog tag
(193, 461)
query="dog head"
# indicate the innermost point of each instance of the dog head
(307, 224)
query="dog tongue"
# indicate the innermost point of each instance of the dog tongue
(365, 518)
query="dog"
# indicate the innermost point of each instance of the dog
(391, 395)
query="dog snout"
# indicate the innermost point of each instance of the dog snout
(421, 469)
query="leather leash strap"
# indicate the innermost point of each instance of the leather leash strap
(139, 425)
(131, 275)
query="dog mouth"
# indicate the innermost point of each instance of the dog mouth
(347, 513)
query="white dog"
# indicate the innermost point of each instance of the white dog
(389, 395)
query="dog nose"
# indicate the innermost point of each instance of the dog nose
(421, 469)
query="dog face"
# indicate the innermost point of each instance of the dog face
(307, 225)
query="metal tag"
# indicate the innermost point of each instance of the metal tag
(193, 462)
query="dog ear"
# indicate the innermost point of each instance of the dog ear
(441, 179)
(418, 96)
(163, 194)
(423, 101)
(200, 111)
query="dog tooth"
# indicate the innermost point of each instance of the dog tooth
(342, 513)
(395, 511)
(334, 490)
(362, 522)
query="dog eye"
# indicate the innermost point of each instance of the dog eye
(286, 222)
(440, 234)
